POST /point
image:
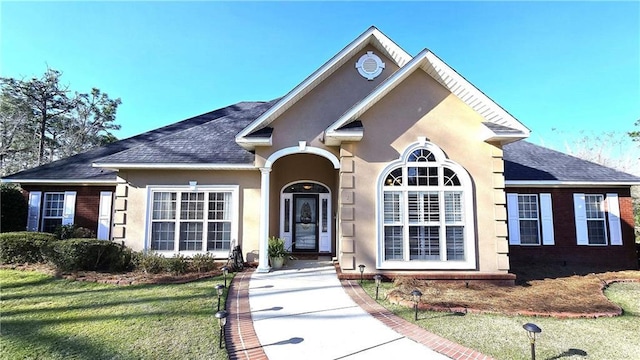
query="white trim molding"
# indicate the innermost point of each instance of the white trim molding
(306, 149)
(234, 218)
(467, 209)
(174, 166)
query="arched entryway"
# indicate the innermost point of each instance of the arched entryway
(294, 164)
(305, 217)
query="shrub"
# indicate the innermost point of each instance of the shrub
(73, 231)
(13, 209)
(151, 262)
(203, 262)
(177, 265)
(23, 247)
(87, 254)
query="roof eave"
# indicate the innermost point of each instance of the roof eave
(335, 138)
(251, 142)
(568, 183)
(174, 166)
(60, 181)
(505, 139)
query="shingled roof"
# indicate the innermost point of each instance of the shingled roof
(79, 168)
(524, 161)
(210, 139)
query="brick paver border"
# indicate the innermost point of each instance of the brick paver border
(240, 337)
(242, 342)
(408, 329)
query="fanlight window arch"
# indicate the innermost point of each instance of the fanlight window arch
(426, 212)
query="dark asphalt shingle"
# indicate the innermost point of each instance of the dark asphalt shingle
(526, 161)
(210, 139)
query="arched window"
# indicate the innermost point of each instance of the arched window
(426, 212)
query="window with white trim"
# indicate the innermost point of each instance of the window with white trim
(530, 219)
(204, 220)
(52, 211)
(596, 228)
(597, 219)
(426, 212)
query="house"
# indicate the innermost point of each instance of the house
(378, 158)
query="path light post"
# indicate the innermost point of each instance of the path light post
(361, 266)
(222, 321)
(532, 331)
(416, 299)
(219, 291)
(225, 272)
(378, 279)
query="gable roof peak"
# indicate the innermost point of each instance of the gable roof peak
(372, 36)
(450, 80)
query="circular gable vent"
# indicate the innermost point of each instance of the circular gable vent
(370, 65)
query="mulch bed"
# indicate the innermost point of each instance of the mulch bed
(128, 278)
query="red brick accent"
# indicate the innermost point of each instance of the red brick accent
(566, 252)
(505, 279)
(240, 337)
(87, 202)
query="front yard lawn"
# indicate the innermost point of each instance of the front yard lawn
(502, 336)
(47, 318)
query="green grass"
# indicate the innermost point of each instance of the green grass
(502, 337)
(47, 318)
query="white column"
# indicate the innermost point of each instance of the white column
(263, 259)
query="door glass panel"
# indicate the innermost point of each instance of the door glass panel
(287, 215)
(306, 222)
(324, 215)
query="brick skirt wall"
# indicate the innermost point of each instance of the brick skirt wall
(566, 252)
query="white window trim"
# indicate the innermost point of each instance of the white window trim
(469, 230)
(235, 217)
(612, 224)
(44, 208)
(68, 208)
(545, 219)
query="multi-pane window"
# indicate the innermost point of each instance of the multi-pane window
(596, 228)
(528, 215)
(52, 211)
(191, 220)
(423, 211)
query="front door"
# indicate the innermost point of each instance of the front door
(305, 217)
(305, 229)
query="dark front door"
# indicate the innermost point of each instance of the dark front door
(305, 231)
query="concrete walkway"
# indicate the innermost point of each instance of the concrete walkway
(304, 312)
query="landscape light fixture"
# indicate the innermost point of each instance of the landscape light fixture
(219, 291)
(416, 294)
(361, 266)
(532, 331)
(378, 279)
(222, 321)
(225, 272)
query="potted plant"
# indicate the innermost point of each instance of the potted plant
(277, 252)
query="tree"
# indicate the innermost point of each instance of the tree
(13, 209)
(635, 135)
(42, 121)
(15, 137)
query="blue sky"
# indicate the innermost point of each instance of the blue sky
(569, 66)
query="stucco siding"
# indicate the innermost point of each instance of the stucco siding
(131, 195)
(421, 107)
